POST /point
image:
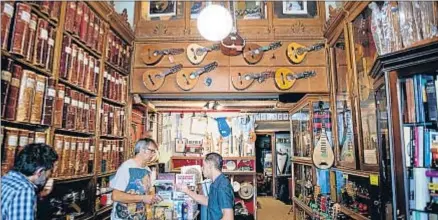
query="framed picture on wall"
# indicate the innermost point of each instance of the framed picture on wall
(294, 7)
(162, 8)
(180, 145)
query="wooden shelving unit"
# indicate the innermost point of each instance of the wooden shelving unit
(112, 21)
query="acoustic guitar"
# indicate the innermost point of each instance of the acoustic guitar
(296, 52)
(323, 156)
(186, 81)
(196, 53)
(154, 79)
(233, 44)
(152, 54)
(285, 78)
(253, 53)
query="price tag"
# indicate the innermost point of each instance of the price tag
(75, 52)
(51, 42)
(40, 140)
(93, 107)
(73, 146)
(122, 113)
(32, 25)
(59, 143)
(86, 106)
(9, 10)
(374, 179)
(81, 56)
(67, 146)
(105, 74)
(6, 75)
(24, 140)
(51, 92)
(25, 16)
(171, 60)
(80, 104)
(40, 86)
(67, 100)
(85, 61)
(96, 69)
(92, 149)
(91, 64)
(74, 102)
(44, 34)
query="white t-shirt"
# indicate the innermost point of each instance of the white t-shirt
(133, 179)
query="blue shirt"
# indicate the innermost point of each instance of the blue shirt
(18, 197)
(221, 196)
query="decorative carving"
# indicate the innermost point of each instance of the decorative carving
(333, 13)
(311, 32)
(297, 28)
(160, 29)
(124, 15)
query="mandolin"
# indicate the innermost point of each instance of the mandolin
(196, 53)
(285, 78)
(323, 156)
(296, 52)
(242, 81)
(233, 44)
(253, 53)
(152, 55)
(154, 79)
(186, 81)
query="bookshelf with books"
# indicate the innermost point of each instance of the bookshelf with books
(53, 64)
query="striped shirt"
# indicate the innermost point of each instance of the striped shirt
(18, 197)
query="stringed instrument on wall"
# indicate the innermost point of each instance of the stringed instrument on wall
(196, 53)
(323, 156)
(188, 80)
(296, 52)
(233, 44)
(253, 53)
(242, 81)
(151, 55)
(285, 78)
(153, 79)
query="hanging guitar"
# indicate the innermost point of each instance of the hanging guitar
(285, 78)
(253, 53)
(242, 81)
(323, 156)
(233, 44)
(154, 79)
(152, 55)
(296, 52)
(186, 81)
(196, 53)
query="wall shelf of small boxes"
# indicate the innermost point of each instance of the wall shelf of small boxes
(64, 81)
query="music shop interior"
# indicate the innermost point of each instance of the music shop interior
(319, 109)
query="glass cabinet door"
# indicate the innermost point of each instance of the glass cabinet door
(342, 83)
(301, 134)
(363, 57)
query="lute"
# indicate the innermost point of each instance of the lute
(196, 53)
(285, 78)
(151, 55)
(187, 80)
(242, 81)
(296, 52)
(153, 79)
(253, 53)
(323, 156)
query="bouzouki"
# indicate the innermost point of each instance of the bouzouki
(285, 78)
(253, 53)
(154, 79)
(233, 44)
(196, 53)
(242, 81)
(186, 81)
(152, 55)
(323, 156)
(296, 52)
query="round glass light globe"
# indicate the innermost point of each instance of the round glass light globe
(214, 22)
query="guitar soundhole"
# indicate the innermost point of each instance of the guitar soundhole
(194, 53)
(149, 53)
(240, 78)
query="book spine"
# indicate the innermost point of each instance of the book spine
(40, 137)
(66, 107)
(101, 36)
(30, 39)
(96, 75)
(10, 147)
(70, 16)
(95, 41)
(79, 156)
(93, 115)
(72, 156)
(6, 19)
(84, 23)
(86, 157)
(27, 89)
(85, 72)
(59, 105)
(78, 17)
(72, 110)
(20, 29)
(6, 81)
(59, 144)
(431, 101)
(91, 156)
(38, 100)
(65, 57)
(73, 64)
(14, 92)
(105, 82)
(99, 152)
(49, 49)
(42, 37)
(79, 67)
(65, 156)
(55, 9)
(45, 7)
(90, 30)
(23, 140)
(89, 82)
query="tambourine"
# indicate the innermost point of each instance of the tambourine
(236, 186)
(246, 190)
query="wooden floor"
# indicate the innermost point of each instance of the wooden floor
(272, 209)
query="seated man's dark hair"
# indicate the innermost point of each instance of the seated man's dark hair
(33, 157)
(216, 159)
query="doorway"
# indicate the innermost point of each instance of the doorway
(264, 164)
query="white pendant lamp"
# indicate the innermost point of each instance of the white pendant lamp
(214, 22)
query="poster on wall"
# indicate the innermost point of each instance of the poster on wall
(162, 8)
(294, 7)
